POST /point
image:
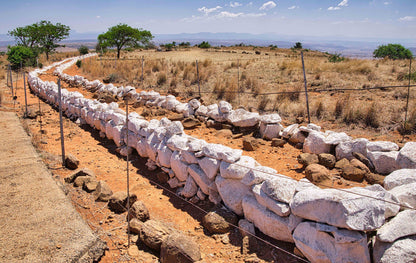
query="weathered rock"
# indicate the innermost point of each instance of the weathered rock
(174, 182)
(315, 143)
(162, 177)
(406, 194)
(232, 193)
(164, 155)
(190, 189)
(191, 123)
(218, 151)
(407, 156)
(258, 174)
(118, 201)
(374, 178)
(81, 172)
(219, 221)
(238, 169)
(335, 138)
(153, 233)
(384, 162)
(268, 222)
(327, 160)
(243, 118)
(278, 142)
(307, 158)
(353, 173)
(356, 209)
(382, 146)
(324, 243)
(341, 164)
(281, 188)
(346, 148)
(139, 211)
(297, 137)
(270, 118)
(103, 192)
(356, 163)
(364, 160)
(250, 144)
(179, 168)
(80, 180)
(403, 224)
(316, 173)
(400, 177)
(289, 130)
(246, 228)
(135, 226)
(403, 250)
(178, 248)
(279, 208)
(188, 157)
(270, 131)
(224, 107)
(200, 178)
(224, 133)
(91, 185)
(71, 162)
(210, 166)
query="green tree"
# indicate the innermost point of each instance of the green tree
(392, 51)
(297, 45)
(123, 35)
(204, 44)
(20, 55)
(83, 50)
(25, 36)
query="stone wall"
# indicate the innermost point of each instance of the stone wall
(327, 225)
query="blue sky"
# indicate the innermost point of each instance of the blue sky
(355, 19)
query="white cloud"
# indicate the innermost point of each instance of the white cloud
(293, 7)
(407, 18)
(250, 4)
(331, 8)
(343, 3)
(226, 14)
(235, 4)
(268, 5)
(386, 3)
(98, 16)
(207, 11)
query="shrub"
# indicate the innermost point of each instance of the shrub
(371, 116)
(334, 58)
(297, 45)
(83, 50)
(204, 44)
(20, 55)
(392, 51)
(78, 63)
(161, 78)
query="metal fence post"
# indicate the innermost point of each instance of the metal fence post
(408, 93)
(197, 74)
(238, 81)
(306, 88)
(24, 87)
(142, 78)
(127, 164)
(60, 122)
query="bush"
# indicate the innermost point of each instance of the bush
(392, 51)
(334, 58)
(20, 55)
(78, 63)
(161, 78)
(204, 44)
(297, 45)
(83, 50)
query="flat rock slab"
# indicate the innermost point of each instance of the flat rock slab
(39, 223)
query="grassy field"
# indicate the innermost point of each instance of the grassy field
(241, 75)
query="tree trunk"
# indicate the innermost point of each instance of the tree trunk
(47, 55)
(118, 53)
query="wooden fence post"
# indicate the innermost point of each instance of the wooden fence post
(60, 122)
(197, 74)
(306, 88)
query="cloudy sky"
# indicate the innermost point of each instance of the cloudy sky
(353, 19)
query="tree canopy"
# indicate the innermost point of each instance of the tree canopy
(40, 37)
(122, 35)
(20, 55)
(392, 51)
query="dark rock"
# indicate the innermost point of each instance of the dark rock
(139, 210)
(103, 192)
(342, 163)
(118, 201)
(178, 248)
(153, 233)
(278, 142)
(191, 123)
(176, 117)
(359, 165)
(364, 160)
(162, 177)
(224, 133)
(316, 173)
(299, 120)
(327, 160)
(238, 135)
(160, 112)
(80, 180)
(135, 226)
(250, 144)
(307, 159)
(82, 172)
(218, 221)
(90, 186)
(353, 173)
(372, 178)
(226, 126)
(71, 162)
(31, 113)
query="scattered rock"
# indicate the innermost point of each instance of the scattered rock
(139, 211)
(327, 160)
(278, 142)
(176, 117)
(118, 201)
(352, 173)
(153, 233)
(90, 186)
(162, 177)
(316, 173)
(190, 123)
(307, 159)
(250, 144)
(403, 250)
(224, 133)
(135, 226)
(178, 248)
(218, 221)
(403, 224)
(364, 160)
(71, 162)
(342, 163)
(372, 178)
(103, 192)
(81, 172)
(80, 180)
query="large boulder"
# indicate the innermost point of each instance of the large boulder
(400, 177)
(279, 208)
(384, 162)
(346, 148)
(317, 173)
(268, 222)
(382, 146)
(153, 233)
(232, 193)
(403, 224)
(221, 152)
(406, 194)
(281, 188)
(243, 118)
(200, 178)
(179, 248)
(355, 209)
(220, 220)
(258, 175)
(315, 143)
(402, 250)
(407, 156)
(210, 166)
(238, 169)
(324, 243)
(179, 168)
(139, 211)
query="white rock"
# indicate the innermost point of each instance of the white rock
(407, 156)
(141, 148)
(214, 197)
(403, 251)
(194, 103)
(196, 145)
(280, 188)
(382, 146)
(272, 118)
(210, 166)
(179, 168)
(335, 138)
(201, 111)
(238, 169)
(356, 209)
(174, 128)
(406, 194)
(268, 222)
(201, 195)
(178, 143)
(304, 184)
(224, 107)
(188, 157)
(315, 143)
(190, 189)
(279, 208)
(403, 224)
(324, 243)
(384, 162)
(243, 118)
(270, 131)
(345, 149)
(297, 137)
(164, 155)
(258, 175)
(399, 177)
(288, 131)
(232, 193)
(200, 177)
(219, 151)
(246, 228)
(174, 183)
